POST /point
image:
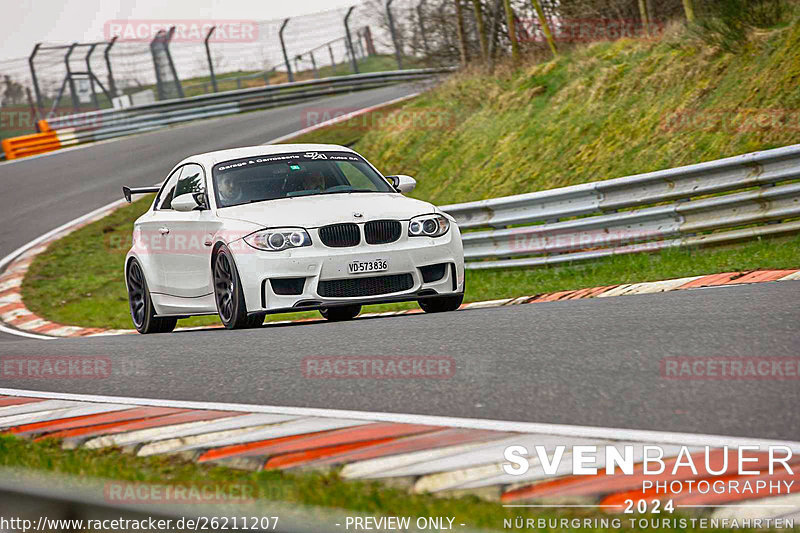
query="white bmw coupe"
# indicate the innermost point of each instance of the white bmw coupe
(281, 228)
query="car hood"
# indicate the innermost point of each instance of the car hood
(316, 211)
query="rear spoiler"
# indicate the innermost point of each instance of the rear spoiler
(127, 191)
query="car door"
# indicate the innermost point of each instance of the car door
(152, 233)
(188, 265)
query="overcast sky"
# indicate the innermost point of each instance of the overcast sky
(64, 21)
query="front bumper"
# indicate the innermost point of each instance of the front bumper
(318, 263)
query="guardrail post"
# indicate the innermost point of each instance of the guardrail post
(350, 39)
(73, 94)
(397, 51)
(285, 55)
(36, 90)
(111, 85)
(208, 56)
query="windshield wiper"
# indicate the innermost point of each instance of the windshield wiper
(348, 191)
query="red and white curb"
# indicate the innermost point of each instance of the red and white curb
(425, 454)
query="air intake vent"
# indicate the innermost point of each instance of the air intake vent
(287, 286)
(433, 273)
(348, 288)
(340, 235)
(382, 231)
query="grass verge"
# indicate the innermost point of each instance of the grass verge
(305, 488)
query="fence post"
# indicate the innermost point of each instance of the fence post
(73, 94)
(111, 85)
(178, 85)
(91, 75)
(314, 64)
(285, 55)
(512, 32)
(159, 81)
(350, 39)
(36, 90)
(397, 52)
(210, 63)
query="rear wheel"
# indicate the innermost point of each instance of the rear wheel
(441, 304)
(141, 304)
(229, 296)
(339, 314)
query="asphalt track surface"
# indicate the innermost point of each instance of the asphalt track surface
(585, 362)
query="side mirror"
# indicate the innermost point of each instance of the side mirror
(189, 202)
(403, 183)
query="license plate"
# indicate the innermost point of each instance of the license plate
(360, 267)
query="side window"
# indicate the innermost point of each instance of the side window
(192, 180)
(164, 199)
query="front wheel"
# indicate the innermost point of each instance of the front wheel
(441, 304)
(229, 296)
(141, 304)
(339, 314)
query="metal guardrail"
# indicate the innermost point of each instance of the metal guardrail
(719, 201)
(108, 123)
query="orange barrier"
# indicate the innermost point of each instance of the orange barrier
(37, 143)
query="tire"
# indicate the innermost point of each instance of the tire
(228, 294)
(340, 313)
(441, 304)
(141, 304)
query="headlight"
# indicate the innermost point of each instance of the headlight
(428, 226)
(275, 240)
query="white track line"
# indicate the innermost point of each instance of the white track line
(637, 435)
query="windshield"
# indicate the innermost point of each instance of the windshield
(256, 179)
